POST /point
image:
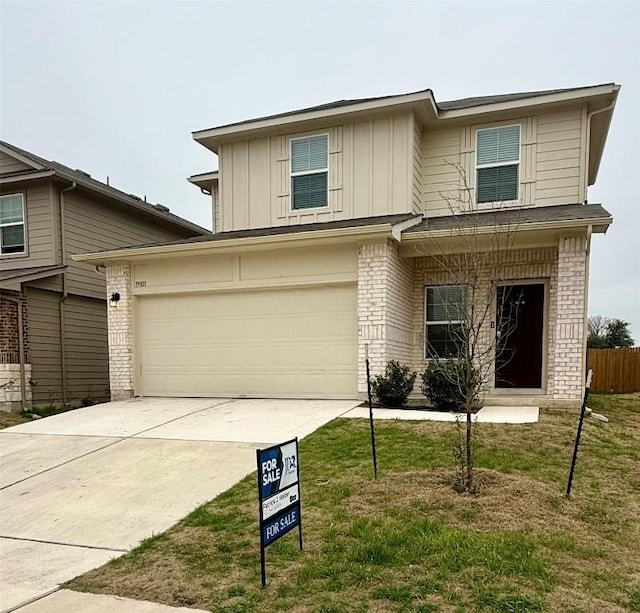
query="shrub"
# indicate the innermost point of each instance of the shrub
(393, 388)
(443, 383)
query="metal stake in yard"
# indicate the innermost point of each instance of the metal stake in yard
(579, 433)
(373, 432)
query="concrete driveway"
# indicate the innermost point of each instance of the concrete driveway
(80, 488)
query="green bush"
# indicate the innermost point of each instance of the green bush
(393, 388)
(443, 383)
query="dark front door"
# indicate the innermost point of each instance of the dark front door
(519, 326)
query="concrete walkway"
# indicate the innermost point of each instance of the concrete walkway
(65, 601)
(83, 487)
(486, 415)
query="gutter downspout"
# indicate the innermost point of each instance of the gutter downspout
(588, 144)
(63, 258)
(23, 376)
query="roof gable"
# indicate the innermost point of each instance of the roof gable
(134, 203)
(23, 159)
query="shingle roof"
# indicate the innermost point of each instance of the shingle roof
(89, 182)
(513, 217)
(450, 105)
(280, 230)
(31, 270)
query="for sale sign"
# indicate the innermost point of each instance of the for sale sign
(279, 494)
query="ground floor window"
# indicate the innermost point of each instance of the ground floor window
(444, 320)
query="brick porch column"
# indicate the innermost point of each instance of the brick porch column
(10, 374)
(120, 322)
(385, 308)
(569, 345)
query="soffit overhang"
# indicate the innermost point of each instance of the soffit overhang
(503, 238)
(358, 234)
(205, 180)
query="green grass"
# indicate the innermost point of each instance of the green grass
(408, 542)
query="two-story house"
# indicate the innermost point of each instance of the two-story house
(330, 224)
(53, 312)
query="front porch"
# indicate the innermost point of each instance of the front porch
(392, 278)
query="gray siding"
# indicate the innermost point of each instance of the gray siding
(10, 164)
(87, 355)
(44, 341)
(93, 226)
(39, 231)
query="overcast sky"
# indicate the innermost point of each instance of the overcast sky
(115, 88)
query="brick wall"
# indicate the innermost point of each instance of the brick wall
(10, 384)
(11, 387)
(9, 348)
(384, 308)
(120, 333)
(515, 265)
(569, 351)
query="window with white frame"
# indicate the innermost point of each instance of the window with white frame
(11, 224)
(444, 320)
(309, 172)
(497, 164)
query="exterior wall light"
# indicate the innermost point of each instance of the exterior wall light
(115, 298)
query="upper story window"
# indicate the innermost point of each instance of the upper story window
(444, 320)
(497, 164)
(11, 224)
(309, 172)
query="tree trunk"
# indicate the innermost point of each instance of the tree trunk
(469, 477)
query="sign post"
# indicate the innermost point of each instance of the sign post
(279, 495)
(371, 427)
(583, 412)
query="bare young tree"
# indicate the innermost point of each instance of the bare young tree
(474, 255)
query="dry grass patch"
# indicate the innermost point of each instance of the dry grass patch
(12, 419)
(408, 542)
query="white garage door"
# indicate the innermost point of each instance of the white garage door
(268, 343)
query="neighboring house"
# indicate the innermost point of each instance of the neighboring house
(325, 223)
(53, 313)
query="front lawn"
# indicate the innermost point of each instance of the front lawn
(408, 542)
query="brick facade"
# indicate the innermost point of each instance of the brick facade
(391, 316)
(513, 266)
(10, 384)
(391, 312)
(385, 285)
(569, 353)
(9, 347)
(120, 333)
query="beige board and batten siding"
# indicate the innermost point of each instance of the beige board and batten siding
(371, 169)
(417, 169)
(92, 226)
(552, 167)
(272, 323)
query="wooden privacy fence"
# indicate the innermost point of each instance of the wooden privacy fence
(615, 370)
